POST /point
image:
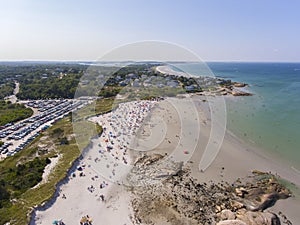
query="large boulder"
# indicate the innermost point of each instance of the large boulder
(237, 84)
(259, 218)
(240, 93)
(226, 214)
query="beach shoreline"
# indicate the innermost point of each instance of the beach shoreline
(168, 71)
(84, 193)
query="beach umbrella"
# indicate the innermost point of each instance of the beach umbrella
(83, 220)
(185, 152)
(55, 222)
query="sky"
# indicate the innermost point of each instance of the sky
(216, 30)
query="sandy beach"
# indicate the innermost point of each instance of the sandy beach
(167, 70)
(171, 127)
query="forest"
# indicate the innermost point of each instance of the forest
(40, 80)
(10, 113)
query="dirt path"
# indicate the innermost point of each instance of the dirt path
(13, 98)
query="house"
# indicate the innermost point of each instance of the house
(173, 83)
(136, 83)
(122, 84)
(132, 76)
(85, 82)
(190, 88)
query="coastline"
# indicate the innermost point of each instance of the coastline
(58, 187)
(168, 71)
(234, 157)
(257, 149)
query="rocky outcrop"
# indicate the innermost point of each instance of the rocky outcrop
(259, 218)
(262, 193)
(152, 169)
(237, 84)
(248, 217)
(231, 222)
(227, 214)
(146, 160)
(164, 192)
(240, 93)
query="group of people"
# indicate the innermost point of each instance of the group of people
(120, 127)
(86, 220)
(58, 222)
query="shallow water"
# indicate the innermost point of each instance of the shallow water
(271, 118)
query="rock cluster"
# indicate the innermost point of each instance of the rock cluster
(152, 169)
(237, 84)
(177, 198)
(240, 93)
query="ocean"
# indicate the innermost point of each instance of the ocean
(270, 119)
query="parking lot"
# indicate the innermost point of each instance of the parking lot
(47, 112)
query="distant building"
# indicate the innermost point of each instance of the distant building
(123, 83)
(136, 83)
(84, 82)
(190, 88)
(132, 76)
(118, 78)
(173, 83)
(160, 85)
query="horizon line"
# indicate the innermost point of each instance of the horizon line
(178, 61)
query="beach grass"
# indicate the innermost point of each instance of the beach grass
(19, 210)
(13, 112)
(84, 129)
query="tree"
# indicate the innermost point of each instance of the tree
(4, 196)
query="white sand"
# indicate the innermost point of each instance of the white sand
(107, 162)
(48, 169)
(168, 71)
(172, 128)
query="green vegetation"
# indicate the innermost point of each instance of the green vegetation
(291, 186)
(52, 87)
(49, 81)
(17, 179)
(109, 91)
(16, 193)
(40, 81)
(84, 129)
(13, 112)
(6, 89)
(4, 195)
(105, 105)
(25, 165)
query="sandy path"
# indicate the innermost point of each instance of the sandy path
(13, 98)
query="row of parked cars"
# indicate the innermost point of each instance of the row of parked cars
(3, 148)
(38, 118)
(44, 105)
(36, 124)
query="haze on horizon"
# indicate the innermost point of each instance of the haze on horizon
(215, 30)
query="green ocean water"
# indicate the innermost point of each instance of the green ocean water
(271, 118)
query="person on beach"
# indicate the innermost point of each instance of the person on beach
(102, 197)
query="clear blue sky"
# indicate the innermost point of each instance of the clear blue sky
(256, 30)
